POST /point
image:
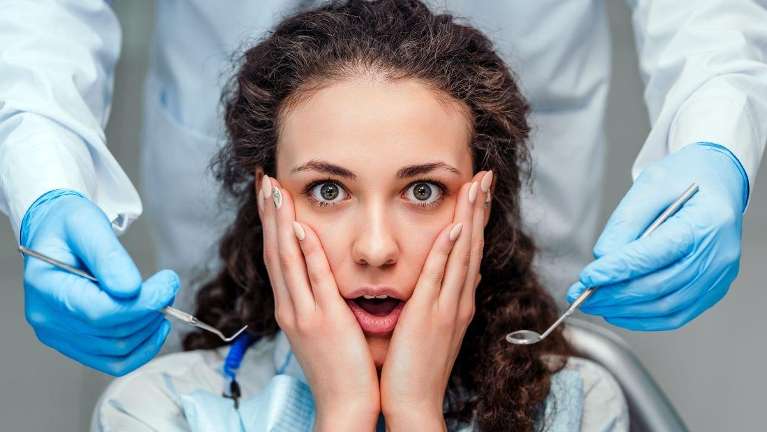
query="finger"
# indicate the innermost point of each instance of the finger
(454, 273)
(647, 198)
(649, 287)
(466, 300)
(97, 246)
(271, 252)
(680, 318)
(433, 271)
(107, 346)
(85, 301)
(113, 365)
(64, 323)
(672, 241)
(652, 307)
(686, 298)
(318, 269)
(459, 260)
(291, 261)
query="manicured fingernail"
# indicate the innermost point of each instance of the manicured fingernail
(299, 230)
(455, 231)
(486, 180)
(489, 198)
(260, 199)
(277, 197)
(266, 188)
(473, 192)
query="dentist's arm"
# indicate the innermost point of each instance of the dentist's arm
(57, 61)
(63, 191)
(703, 64)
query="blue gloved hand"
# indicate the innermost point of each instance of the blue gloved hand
(671, 276)
(113, 326)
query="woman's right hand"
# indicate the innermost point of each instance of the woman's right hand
(325, 337)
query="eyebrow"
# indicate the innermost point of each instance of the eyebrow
(404, 172)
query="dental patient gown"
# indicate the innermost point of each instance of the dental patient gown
(184, 392)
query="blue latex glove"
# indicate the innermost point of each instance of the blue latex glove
(671, 276)
(113, 326)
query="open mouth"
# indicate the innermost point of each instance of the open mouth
(376, 315)
(377, 306)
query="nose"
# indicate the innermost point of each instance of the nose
(375, 244)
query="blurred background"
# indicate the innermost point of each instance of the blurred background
(711, 369)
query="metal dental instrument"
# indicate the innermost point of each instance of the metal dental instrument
(529, 337)
(167, 310)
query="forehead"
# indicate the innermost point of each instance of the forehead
(375, 122)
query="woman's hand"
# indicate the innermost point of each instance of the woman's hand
(428, 336)
(325, 337)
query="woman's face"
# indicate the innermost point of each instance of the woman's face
(376, 218)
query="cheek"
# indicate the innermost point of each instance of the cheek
(417, 240)
(322, 225)
(420, 238)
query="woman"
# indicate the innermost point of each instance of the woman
(376, 153)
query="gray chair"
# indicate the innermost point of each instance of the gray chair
(649, 408)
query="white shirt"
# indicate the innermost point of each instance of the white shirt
(148, 398)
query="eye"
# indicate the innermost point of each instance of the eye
(323, 192)
(424, 191)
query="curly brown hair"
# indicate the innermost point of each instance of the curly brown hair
(399, 39)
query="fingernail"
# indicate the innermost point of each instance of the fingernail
(266, 188)
(489, 198)
(174, 280)
(486, 181)
(455, 231)
(277, 197)
(299, 230)
(473, 193)
(260, 199)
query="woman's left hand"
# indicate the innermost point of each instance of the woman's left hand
(428, 335)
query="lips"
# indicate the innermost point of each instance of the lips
(376, 316)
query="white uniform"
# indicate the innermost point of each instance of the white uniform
(702, 63)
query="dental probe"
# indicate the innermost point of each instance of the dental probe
(529, 337)
(167, 310)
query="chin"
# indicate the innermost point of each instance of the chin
(378, 345)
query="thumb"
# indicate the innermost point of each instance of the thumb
(92, 240)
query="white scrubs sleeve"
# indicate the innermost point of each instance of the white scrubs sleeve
(57, 61)
(704, 67)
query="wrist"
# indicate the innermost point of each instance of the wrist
(743, 187)
(415, 420)
(346, 419)
(38, 206)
